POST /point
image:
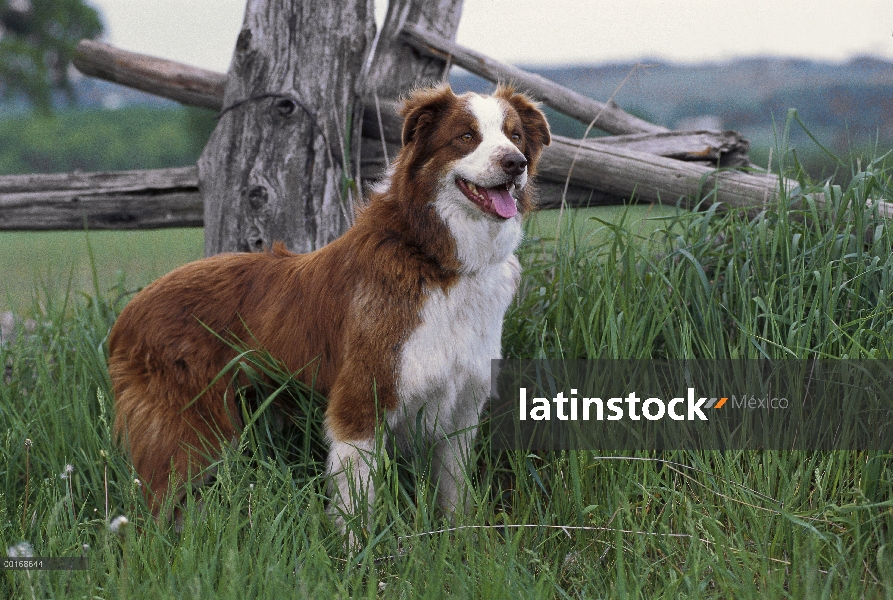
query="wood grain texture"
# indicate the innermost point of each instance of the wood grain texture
(184, 83)
(397, 67)
(622, 172)
(119, 200)
(277, 167)
(723, 148)
(170, 198)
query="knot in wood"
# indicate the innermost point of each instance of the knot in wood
(253, 240)
(244, 40)
(285, 106)
(258, 197)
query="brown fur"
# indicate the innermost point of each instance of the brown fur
(345, 308)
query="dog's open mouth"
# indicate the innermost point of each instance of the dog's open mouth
(496, 200)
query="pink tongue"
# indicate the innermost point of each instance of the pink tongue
(503, 203)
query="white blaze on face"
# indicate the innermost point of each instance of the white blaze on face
(483, 221)
(482, 166)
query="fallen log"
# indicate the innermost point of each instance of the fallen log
(625, 173)
(140, 179)
(655, 179)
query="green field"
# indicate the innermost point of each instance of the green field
(801, 283)
(38, 266)
(90, 139)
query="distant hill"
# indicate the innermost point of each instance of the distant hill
(90, 93)
(844, 104)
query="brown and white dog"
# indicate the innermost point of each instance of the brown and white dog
(402, 313)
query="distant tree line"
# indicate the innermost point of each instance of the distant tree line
(135, 137)
(37, 39)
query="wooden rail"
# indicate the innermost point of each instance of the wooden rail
(651, 166)
(606, 117)
(147, 199)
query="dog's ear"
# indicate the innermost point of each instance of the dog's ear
(533, 121)
(421, 109)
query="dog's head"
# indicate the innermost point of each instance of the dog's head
(480, 150)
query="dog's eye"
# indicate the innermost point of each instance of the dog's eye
(516, 138)
(467, 136)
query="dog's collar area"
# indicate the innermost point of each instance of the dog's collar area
(496, 200)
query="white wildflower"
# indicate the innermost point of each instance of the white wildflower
(117, 523)
(66, 472)
(20, 550)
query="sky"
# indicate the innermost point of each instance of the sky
(548, 32)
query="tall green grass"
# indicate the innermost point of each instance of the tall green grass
(798, 280)
(802, 279)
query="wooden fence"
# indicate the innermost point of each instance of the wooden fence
(641, 160)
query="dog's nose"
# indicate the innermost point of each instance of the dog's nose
(514, 164)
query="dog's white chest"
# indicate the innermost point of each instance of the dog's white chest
(445, 362)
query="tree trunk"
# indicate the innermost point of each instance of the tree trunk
(278, 166)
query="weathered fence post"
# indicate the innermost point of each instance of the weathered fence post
(396, 66)
(278, 165)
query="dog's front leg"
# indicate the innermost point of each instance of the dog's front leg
(454, 447)
(350, 467)
(451, 460)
